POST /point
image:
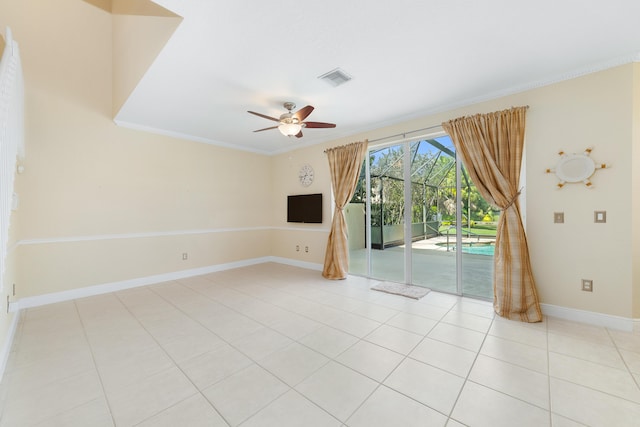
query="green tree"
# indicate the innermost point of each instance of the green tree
(433, 187)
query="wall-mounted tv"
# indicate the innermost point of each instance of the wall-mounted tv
(305, 208)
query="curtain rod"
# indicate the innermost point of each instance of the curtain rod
(403, 134)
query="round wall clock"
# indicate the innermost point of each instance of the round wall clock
(306, 175)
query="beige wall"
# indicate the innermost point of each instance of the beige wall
(137, 40)
(635, 193)
(593, 110)
(99, 203)
(61, 266)
(285, 169)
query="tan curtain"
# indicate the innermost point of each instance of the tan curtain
(345, 163)
(490, 146)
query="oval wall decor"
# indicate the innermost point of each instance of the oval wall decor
(576, 167)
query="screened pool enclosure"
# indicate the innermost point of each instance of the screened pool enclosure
(414, 189)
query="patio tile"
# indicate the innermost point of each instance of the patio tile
(371, 360)
(394, 339)
(209, 368)
(591, 407)
(261, 343)
(522, 383)
(428, 385)
(292, 410)
(475, 307)
(94, 413)
(519, 332)
(445, 356)
(337, 389)
(599, 377)
(462, 337)
(412, 323)
(194, 411)
(244, 393)
(328, 341)
(469, 321)
(53, 399)
(142, 399)
(386, 407)
(294, 363)
(586, 350)
(534, 358)
(480, 406)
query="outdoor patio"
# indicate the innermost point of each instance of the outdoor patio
(433, 266)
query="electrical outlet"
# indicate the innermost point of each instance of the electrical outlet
(587, 285)
(297, 248)
(600, 217)
(306, 248)
(558, 217)
(185, 256)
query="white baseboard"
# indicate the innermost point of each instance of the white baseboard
(88, 291)
(295, 263)
(590, 317)
(5, 351)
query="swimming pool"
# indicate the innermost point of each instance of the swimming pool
(477, 248)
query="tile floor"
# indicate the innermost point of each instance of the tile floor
(274, 345)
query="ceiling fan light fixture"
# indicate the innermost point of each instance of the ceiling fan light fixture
(289, 129)
(290, 123)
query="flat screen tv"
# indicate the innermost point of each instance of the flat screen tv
(305, 208)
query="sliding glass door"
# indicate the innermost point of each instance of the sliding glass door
(386, 195)
(417, 218)
(433, 243)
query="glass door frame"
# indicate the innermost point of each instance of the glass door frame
(408, 258)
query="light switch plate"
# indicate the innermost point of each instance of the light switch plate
(558, 217)
(600, 217)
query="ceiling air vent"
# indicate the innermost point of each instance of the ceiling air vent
(335, 77)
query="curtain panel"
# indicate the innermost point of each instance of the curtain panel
(490, 147)
(345, 163)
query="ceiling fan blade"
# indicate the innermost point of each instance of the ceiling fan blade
(299, 134)
(263, 116)
(272, 127)
(303, 113)
(318, 125)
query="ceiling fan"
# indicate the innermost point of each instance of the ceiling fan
(291, 124)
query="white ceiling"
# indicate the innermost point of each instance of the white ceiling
(408, 58)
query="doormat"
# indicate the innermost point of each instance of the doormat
(410, 291)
